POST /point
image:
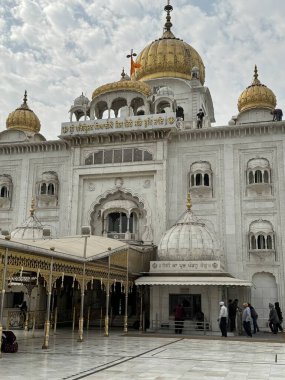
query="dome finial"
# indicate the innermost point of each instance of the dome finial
(189, 203)
(123, 74)
(168, 8)
(25, 104)
(255, 76)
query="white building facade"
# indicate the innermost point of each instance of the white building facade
(126, 160)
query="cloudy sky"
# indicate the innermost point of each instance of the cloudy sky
(58, 49)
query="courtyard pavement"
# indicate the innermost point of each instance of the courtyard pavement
(145, 356)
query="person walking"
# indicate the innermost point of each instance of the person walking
(279, 313)
(232, 306)
(179, 318)
(246, 318)
(273, 319)
(254, 317)
(223, 316)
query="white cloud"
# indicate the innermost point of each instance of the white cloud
(56, 50)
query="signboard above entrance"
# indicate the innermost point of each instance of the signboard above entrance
(133, 123)
(186, 266)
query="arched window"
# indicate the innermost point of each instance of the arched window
(118, 222)
(260, 242)
(43, 188)
(258, 176)
(206, 179)
(50, 190)
(198, 179)
(180, 112)
(4, 193)
(253, 242)
(269, 242)
(266, 176)
(258, 171)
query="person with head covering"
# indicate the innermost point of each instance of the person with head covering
(179, 318)
(200, 116)
(279, 313)
(223, 316)
(246, 318)
(254, 317)
(273, 319)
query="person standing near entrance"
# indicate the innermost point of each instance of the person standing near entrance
(273, 319)
(223, 316)
(246, 318)
(280, 317)
(179, 318)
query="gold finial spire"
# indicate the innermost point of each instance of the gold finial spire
(25, 104)
(33, 207)
(168, 8)
(189, 203)
(255, 76)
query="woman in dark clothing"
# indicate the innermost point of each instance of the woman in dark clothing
(179, 318)
(279, 313)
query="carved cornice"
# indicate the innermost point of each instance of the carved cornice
(33, 147)
(238, 131)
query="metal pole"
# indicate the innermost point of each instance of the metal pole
(47, 322)
(107, 299)
(73, 318)
(88, 318)
(81, 318)
(3, 293)
(55, 320)
(141, 309)
(126, 295)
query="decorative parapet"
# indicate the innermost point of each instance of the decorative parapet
(127, 124)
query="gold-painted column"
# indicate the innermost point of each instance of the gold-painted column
(81, 318)
(126, 295)
(107, 299)
(47, 321)
(3, 293)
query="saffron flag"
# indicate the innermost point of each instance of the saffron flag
(134, 66)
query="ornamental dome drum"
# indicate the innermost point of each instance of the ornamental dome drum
(257, 95)
(169, 57)
(188, 239)
(23, 118)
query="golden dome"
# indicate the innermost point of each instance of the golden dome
(257, 95)
(24, 118)
(169, 57)
(124, 84)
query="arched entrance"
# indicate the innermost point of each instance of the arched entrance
(263, 293)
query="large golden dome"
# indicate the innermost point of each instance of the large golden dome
(124, 84)
(169, 57)
(257, 95)
(23, 118)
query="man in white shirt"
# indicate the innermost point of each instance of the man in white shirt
(223, 316)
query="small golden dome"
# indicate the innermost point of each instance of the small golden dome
(169, 57)
(257, 95)
(124, 84)
(23, 118)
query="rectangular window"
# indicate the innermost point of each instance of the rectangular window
(98, 157)
(108, 156)
(117, 156)
(128, 155)
(137, 154)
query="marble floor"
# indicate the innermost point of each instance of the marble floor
(143, 357)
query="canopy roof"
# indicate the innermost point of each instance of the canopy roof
(192, 280)
(72, 247)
